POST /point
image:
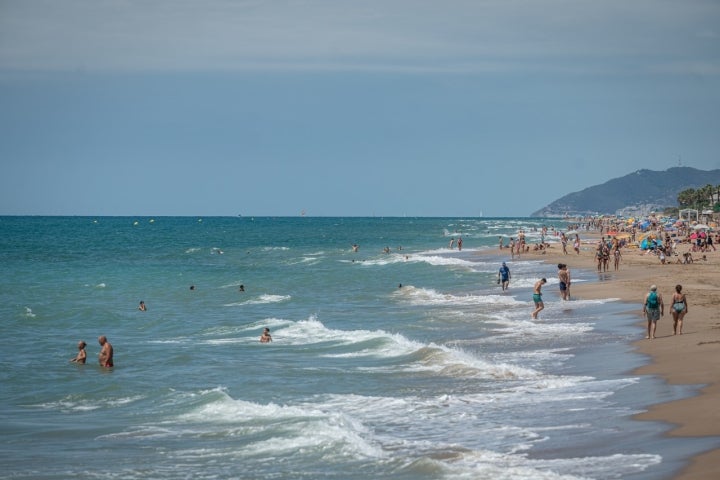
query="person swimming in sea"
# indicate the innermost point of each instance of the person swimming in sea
(266, 337)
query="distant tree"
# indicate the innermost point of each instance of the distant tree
(705, 196)
(687, 198)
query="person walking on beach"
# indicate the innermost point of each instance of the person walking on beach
(105, 357)
(537, 297)
(81, 355)
(504, 276)
(679, 309)
(653, 308)
(617, 255)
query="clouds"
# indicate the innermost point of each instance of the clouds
(347, 107)
(409, 36)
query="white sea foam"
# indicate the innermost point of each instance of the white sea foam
(262, 299)
(439, 260)
(502, 466)
(380, 344)
(304, 261)
(29, 313)
(291, 429)
(78, 403)
(428, 296)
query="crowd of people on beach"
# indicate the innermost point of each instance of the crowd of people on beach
(656, 236)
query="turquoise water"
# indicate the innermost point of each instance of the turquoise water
(445, 377)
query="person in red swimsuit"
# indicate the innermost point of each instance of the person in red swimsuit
(106, 352)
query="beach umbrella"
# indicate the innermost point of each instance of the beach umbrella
(701, 226)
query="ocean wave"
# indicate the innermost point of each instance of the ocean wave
(428, 296)
(262, 299)
(281, 429)
(80, 403)
(441, 359)
(489, 464)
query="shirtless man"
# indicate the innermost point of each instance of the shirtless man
(564, 280)
(81, 356)
(105, 356)
(266, 337)
(537, 297)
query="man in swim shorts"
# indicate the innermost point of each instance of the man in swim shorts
(537, 297)
(564, 278)
(504, 276)
(105, 357)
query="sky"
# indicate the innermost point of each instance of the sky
(347, 107)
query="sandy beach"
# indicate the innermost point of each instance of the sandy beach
(689, 359)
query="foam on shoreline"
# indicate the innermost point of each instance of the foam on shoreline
(689, 359)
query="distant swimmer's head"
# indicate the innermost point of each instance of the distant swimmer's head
(653, 287)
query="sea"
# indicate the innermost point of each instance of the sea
(403, 359)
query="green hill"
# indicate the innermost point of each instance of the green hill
(640, 191)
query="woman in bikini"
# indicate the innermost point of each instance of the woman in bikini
(679, 309)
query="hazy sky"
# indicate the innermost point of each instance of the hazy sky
(340, 107)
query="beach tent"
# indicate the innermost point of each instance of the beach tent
(646, 241)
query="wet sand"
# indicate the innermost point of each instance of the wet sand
(689, 359)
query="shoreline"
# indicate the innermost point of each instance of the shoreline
(689, 359)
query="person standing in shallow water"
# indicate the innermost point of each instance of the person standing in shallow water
(679, 309)
(504, 276)
(537, 297)
(105, 357)
(81, 355)
(563, 280)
